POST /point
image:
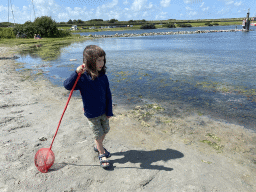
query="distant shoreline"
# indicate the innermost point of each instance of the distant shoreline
(161, 33)
(201, 23)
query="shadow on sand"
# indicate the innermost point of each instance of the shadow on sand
(146, 158)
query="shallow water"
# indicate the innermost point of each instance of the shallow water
(209, 74)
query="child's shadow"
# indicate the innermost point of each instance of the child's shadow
(146, 158)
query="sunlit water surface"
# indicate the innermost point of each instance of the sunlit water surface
(211, 73)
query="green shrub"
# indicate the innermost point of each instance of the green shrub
(131, 21)
(169, 25)
(208, 23)
(64, 33)
(70, 21)
(5, 24)
(7, 33)
(113, 20)
(44, 26)
(25, 30)
(29, 29)
(148, 26)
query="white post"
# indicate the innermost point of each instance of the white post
(8, 11)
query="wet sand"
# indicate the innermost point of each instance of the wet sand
(150, 151)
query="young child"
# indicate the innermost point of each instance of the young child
(97, 100)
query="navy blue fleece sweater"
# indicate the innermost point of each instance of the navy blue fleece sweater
(96, 94)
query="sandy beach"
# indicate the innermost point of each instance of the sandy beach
(150, 152)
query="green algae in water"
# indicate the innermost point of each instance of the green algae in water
(155, 106)
(208, 162)
(123, 73)
(225, 88)
(144, 124)
(213, 136)
(214, 145)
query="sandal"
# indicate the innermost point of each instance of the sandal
(104, 161)
(106, 152)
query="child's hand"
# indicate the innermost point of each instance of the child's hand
(80, 69)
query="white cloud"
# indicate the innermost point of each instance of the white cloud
(187, 1)
(110, 5)
(165, 3)
(138, 5)
(74, 13)
(113, 15)
(106, 11)
(125, 2)
(63, 15)
(25, 8)
(45, 7)
(161, 16)
(229, 2)
(188, 8)
(192, 13)
(238, 3)
(2, 8)
(145, 14)
(206, 9)
(14, 16)
(149, 6)
(222, 11)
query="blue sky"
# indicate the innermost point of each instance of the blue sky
(124, 10)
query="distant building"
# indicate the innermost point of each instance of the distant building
(74, 27)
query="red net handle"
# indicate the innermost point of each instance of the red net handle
(70, 94)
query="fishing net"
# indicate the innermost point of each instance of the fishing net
(44, 159)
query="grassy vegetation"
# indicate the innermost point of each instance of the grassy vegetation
(46, 48)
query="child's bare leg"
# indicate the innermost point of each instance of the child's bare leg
(99, 144)
(103, 137)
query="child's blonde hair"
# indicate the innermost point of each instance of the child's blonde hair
(90, 55)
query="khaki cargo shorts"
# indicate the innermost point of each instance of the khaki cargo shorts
(99, 125)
